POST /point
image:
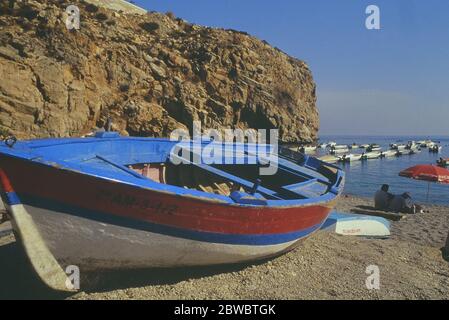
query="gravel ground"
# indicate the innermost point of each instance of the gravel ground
(325, 266)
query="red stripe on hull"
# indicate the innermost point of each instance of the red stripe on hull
(123, 200)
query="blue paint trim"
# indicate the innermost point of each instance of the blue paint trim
(12, 198)
(71, 154)
(250, 239)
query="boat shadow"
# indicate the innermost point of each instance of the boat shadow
(106, 280)
(19, 281)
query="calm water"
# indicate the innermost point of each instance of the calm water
(363, 178)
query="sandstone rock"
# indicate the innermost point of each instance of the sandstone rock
(56, 82)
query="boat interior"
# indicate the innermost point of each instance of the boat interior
(135, 159)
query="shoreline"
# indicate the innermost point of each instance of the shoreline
(324, 266)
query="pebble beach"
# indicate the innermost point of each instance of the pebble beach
(324, 266)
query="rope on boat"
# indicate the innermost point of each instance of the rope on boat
(10, 141)
(3, 217)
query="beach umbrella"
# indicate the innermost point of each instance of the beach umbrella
(427, 172)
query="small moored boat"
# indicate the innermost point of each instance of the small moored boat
(403, 152)
(388, 153)
(111, 202)
(435, 148)
(371, 155)
(350, 157)
(329, 159)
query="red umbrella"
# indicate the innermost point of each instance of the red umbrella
(427, 172)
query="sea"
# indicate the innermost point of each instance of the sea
(364, 178)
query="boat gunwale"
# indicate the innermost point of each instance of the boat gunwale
(153, 186)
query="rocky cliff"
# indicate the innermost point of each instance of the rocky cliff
(150, 72)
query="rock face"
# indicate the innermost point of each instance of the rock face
(152, 73)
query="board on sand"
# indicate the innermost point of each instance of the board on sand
(370, 211)
(357, 225)
(446, 249)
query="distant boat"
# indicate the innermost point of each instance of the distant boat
(443, 162)
(412, 145)
(388, 153)
(371, 155)
(425, 143)
(329, 159)
(403, 152)
(340, 147)
(435, 148)
(111, 202)
(308, 149)
(395, 146)
(374, 148)
(339, 150)
(350, 157)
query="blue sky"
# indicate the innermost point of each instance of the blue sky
(393, 81)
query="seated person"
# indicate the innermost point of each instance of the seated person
(442, 162)
(403, 203)
(382, 198)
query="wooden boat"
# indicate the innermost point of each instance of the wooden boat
(357, 225)
(111, 202)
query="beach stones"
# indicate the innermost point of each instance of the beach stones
(446, 249)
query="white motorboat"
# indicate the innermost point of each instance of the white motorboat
(371, 155)
(340, 146)
(329, 159)
(403, 152)
(395, 146)
(374, 148)
(435, 148)
(339, 151)
(388, 153)
(350, 157)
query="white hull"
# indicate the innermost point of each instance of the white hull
(329, 159)
(351, 157)
(371, 155)
(90, 245)
(389, 153)
(339, 151)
